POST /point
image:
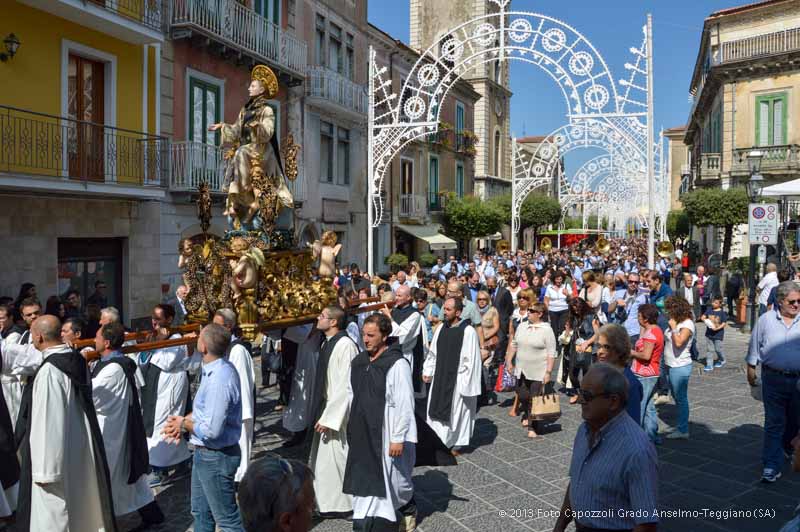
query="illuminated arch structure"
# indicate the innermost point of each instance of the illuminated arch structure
(598, 115)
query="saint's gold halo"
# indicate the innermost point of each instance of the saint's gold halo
(266, 76)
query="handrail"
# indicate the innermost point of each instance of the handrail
(82, 122)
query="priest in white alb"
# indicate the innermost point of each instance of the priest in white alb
(242, 360)
(64, 480)
(165, 393)
(331, 401)
(116, 380)
(453, 367)
(408, 326)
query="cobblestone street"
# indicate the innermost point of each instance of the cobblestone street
(507, 482)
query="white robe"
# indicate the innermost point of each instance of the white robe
(297, 414)
(407, 333)
(329, 453)
(112, 395)
(172, 394)
(65, 495)
(399, 426)
(19, 361)
(10, 380)
(243, 362)
(465, 393)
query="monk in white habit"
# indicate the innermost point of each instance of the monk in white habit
(19, 358)
(408, 326)
(165, 393)
(64, 483)
(380, 462)
(297, 414)
(453, 367)
(242, 360)
(115, 391)
(331, 412)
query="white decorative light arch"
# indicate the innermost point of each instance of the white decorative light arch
(589, 91)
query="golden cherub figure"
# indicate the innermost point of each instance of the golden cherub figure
(326, 249)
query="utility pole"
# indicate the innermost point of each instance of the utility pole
(651, 163)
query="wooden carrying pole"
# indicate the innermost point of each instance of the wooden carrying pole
(163, 344)
(141, 335)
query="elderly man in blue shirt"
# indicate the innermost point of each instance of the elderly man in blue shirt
(614, 468)
(775, 344)
(214, 427)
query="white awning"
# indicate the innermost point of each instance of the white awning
(431, 235)
(789, 188)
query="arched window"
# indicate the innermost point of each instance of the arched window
(497, 152)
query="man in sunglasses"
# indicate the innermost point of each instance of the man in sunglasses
(625, 306)
(775, 345)
(613, 465)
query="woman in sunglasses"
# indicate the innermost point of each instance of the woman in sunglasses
(524, 301)
(614, 347)
(530, 357)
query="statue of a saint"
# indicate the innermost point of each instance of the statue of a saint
(254, 159)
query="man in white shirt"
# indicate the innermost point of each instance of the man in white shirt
(765, 286)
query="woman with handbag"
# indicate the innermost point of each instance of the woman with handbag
(524, 301)
(581, 332)
(534, 346)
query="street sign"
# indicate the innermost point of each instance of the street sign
(763, 224)
(762, 254)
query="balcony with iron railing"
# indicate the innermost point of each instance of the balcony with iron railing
(465, 143)
(193, 163)
(710, 166)
(136, 21)
(777, 42)
(329, 86)
(782, 160)
(45, 146)
(237, 26)
(413, 206)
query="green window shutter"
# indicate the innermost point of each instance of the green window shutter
(771, 112)
(204, 110)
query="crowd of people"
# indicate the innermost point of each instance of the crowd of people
(375, 389)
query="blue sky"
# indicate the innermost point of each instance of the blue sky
(613, 26)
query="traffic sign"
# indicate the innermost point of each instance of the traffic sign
(763, 223)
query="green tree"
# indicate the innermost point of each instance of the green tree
(722, 208)
(678, 224)
(537, 211)
(469, 217)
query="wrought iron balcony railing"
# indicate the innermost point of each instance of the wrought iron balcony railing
(193, 163)
(777, 42)
(149, 13)
(237, 26)
(710, 166)
(441, 137)
(412, 206)
(776, 159)
(329, 85)
(465, 143)
(34, 143)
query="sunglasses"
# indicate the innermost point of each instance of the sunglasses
(587, 397)
(633, 282)
(792, 302)
(522, 297)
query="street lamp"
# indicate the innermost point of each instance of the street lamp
(754, 187)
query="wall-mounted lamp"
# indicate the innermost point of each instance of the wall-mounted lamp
(11, 43)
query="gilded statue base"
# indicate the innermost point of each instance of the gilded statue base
(267, 289)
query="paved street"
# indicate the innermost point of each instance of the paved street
(717, 469)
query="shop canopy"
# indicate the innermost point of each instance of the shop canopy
(787, 189)
(431, 235)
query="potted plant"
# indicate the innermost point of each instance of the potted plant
(396, 262)
(427, 260)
